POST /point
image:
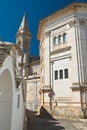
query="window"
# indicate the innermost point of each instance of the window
(56, 75)
(66, 73)
(64, 37)
(61, 74)
(59, 39)
(55, 40)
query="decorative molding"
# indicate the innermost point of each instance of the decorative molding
(60, 13)
(14, 66)
(4, 52)
(31, 77)
(37, 62)
(46, 34)
(81, 21)
(75, 88)
(28, 34)
(63, 99)
(71, 23)
(23, 91)
(82, 84)
(46, 90)
(79, 86)
(61, 50)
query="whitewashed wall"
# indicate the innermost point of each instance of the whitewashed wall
(11, 116)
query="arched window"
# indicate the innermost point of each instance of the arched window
(60, 39)
(64, 37)
(55, 40)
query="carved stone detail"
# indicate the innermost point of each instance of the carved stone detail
(78, 21)
(81, 21)
(47, 34)
(71, 23)
(72, 8)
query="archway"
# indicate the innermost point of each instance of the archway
(5, 100)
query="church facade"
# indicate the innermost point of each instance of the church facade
(63, 61)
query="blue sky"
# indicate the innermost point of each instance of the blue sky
(12, 11)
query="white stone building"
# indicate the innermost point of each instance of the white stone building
(57, 81)
(12, 103)
(33, 85)
(63, 61)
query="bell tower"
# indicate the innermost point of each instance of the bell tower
(23, 38)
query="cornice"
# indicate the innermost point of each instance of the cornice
(61, 50)
(78, 88)
(5, 50)
(72, 8)
(32, 77)
(37, 62)
(81, 85)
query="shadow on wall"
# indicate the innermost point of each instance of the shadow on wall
(85, 113)
(44, 112)
(30, 113)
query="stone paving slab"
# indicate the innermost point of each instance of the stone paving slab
(78, 126)
(82, 125)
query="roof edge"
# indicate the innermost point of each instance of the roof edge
(72, 6)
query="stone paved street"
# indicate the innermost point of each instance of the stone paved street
(38, 123)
